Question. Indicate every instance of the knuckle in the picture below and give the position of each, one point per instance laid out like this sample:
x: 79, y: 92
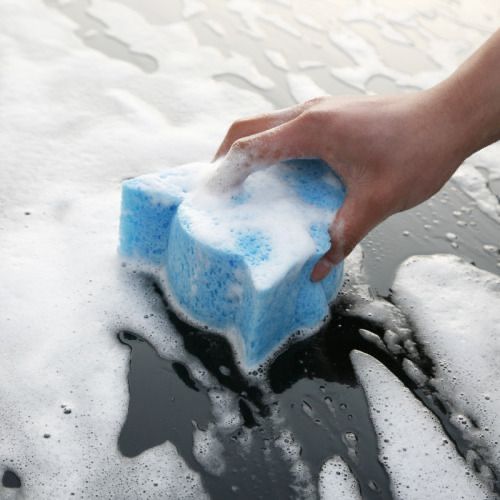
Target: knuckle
x: 310, y: 118
x: 349, y: 246
x: 241, y: 127
x: 233, y: 127
x: 239, y: 124
x: 240, y: 145
x: 329, y: 257
x: 314, y: 101
x: 242, y: 123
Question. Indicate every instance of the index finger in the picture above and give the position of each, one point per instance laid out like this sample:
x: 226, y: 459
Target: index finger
x: 253, y: 125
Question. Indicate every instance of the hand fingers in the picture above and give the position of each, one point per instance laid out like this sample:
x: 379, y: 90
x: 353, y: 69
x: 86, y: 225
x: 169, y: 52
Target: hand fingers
x: 293, y: 139
x: 254, y: 125
x: 353, y: 221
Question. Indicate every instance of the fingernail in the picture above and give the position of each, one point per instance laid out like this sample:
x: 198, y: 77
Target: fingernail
x: 321, y: 270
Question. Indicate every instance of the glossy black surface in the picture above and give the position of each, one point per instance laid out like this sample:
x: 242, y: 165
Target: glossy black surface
x: 311, y: 386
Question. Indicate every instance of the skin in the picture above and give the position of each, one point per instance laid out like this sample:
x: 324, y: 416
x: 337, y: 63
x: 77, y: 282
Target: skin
x: 392, y: 152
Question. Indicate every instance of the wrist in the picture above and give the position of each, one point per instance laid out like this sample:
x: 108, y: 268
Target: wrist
x: 448, y: 135
x: 469, y: 100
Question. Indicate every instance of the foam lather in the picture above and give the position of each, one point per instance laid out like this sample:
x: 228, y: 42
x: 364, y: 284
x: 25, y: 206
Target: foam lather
x: 238, y: 261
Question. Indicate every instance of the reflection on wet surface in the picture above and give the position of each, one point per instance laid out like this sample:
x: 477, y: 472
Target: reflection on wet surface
x: 423, y: 230
x: 10, y: 480
x: 92, y: 32
x: 309, y: 390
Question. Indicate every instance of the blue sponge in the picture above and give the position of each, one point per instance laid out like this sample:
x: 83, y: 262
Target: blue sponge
x: 238, y: 262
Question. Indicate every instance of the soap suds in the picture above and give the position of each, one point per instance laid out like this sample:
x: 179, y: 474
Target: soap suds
x: 337, y: 482
x: 373, y: 338
x: 303, y: 87
x: 310, y: 64
x: 277, y: 59
x: 473, y: 183
x: 192, y: 8
x: 71, y: 131
x: 65, y: 169
x: 454, y: 307
x: 419, y: 457
x: 272, y: 210
x: 291, y: 452
x: 208, y: 450
x: 216, y: 27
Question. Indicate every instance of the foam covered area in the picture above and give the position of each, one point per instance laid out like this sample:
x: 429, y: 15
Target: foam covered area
x: 418, y: 455
x: 455, y: 309
x: 238, y: 261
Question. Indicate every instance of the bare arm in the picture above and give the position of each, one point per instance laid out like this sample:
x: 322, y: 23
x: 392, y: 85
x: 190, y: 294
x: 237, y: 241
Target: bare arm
x: 392, y: 152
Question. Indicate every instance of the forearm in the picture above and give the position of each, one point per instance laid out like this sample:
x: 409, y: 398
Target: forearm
x: 470, y: 100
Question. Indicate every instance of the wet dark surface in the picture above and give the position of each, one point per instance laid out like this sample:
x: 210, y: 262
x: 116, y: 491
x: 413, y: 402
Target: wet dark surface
x: 11, y: 480
x: 311, y: 387
x: 450, y: 211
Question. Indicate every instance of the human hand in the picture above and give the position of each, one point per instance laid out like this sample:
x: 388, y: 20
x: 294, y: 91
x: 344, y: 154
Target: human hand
x: 392, y: 153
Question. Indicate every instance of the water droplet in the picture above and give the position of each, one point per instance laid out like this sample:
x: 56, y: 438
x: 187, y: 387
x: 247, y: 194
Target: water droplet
x: 225, y: 370
x: 490, y: 248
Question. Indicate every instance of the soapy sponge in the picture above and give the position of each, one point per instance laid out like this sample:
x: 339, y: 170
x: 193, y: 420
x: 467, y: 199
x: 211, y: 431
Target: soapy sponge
x: 238, y: 261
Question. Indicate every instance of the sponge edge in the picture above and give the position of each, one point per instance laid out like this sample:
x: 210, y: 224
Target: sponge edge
x: 238, y: 262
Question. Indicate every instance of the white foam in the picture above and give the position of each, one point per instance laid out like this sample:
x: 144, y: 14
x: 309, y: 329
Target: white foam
x: 291, y: 452
x: 249, y: 14
x: 272, y: 210
x: 488, y: 158
x: 414, y: 372
x: 373, y: 338
x: 216, y: 27
x: 421, y: 461
x: 253, y: 14
x: 307, y: 20
x: 310, y: 64
x: 277, y: 59
x: 225, y: 410
x: 61, y: 353
x: 70, y: 131
x: 303, y: 87
x: 454, y: 307
x: 192, y: 8
x: 476, y: 186
x: 208, y: 450
x: 180, y: 57
x: 420, y: 31
x: 354, y: 267
x: 336, y: 481
x: 63, y: 296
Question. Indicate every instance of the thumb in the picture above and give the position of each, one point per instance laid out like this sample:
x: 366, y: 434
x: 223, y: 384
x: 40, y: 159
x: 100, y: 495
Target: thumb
x: 352, y: 222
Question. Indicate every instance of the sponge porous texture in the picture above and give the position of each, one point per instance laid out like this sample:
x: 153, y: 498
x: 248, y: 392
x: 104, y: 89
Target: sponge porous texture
x: 238, y: 261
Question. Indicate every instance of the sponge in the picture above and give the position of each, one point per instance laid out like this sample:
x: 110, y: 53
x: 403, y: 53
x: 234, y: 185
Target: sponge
x: 238, y: 261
